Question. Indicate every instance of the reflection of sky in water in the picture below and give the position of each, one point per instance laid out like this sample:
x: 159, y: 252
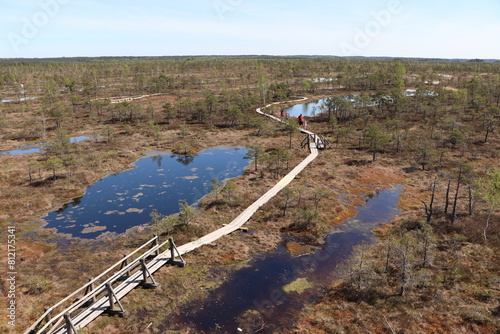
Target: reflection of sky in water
x: 307, y: 109
x: 22, y: 99
x: 124, y: 200
x: 35, y: 148
x: 314, y: 107
x: 254, y: 286
x: 380, y: 208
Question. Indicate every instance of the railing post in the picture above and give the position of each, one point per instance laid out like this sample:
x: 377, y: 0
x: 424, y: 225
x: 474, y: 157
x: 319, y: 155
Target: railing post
x: 173, y: 249
x: 155, y: 244
x: 125, y: 264
x: 112, y: 298
x: 145, y: 274
x: 48, y: 317
x: 70, y: 328
x: 90, y: 289
x: 324, y: 142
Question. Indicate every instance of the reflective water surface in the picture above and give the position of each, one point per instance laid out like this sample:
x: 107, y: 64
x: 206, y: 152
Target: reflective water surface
x: 121, y: 201
x: 37, y: 148
x: 260, y: 287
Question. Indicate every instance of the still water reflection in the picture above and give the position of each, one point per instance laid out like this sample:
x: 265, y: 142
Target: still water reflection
x: 121, y: 201
x: 37, y: 148
x: 259, y: 287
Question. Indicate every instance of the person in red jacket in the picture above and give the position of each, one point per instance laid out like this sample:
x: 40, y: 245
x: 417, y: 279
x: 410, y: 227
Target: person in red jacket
x: 301, y: 120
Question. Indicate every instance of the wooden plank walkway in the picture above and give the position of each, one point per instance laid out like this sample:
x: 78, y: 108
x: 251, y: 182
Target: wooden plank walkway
x: 101, y: 305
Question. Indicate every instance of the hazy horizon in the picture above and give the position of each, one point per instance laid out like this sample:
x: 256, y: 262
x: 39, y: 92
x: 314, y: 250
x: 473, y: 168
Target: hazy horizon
x: 254, y: 55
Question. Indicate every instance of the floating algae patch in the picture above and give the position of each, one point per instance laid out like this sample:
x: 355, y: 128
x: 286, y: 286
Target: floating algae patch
x: 298, y: 249
x: 299, y: 286
x: 93, y: 229
x: 134, y: 210
x: 194, y: 177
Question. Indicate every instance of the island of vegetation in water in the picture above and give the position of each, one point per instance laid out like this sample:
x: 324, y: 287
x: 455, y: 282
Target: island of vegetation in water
x: 435, y: 266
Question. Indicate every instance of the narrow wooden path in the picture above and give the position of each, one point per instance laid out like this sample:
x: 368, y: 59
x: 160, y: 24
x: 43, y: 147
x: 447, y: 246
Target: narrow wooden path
x: 248, y: 212
x: 103, y: 304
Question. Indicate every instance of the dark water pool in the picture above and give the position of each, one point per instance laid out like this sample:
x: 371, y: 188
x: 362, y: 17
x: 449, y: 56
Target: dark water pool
x: 258, y: 289
x: 121, y: 201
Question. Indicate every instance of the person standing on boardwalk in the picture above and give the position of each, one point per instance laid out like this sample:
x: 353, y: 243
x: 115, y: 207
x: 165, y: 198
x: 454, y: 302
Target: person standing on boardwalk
x: 301, y: 120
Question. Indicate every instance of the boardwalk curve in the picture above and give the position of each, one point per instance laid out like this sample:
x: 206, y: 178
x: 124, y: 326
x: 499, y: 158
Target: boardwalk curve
x: 63, y: 323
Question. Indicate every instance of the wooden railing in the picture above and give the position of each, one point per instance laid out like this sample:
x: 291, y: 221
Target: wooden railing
x: 102, y: 286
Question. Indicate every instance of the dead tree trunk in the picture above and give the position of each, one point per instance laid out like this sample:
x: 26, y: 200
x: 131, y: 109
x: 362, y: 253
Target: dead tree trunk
x: 447, y: 197
x: 471, y: 201
x: 431, y: 204
x: 455, y: 201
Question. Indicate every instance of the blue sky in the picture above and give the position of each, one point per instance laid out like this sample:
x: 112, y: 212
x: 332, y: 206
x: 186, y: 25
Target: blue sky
x: 398, y: 28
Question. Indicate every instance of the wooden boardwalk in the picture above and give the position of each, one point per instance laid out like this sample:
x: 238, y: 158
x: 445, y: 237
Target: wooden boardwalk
x: 103, y: 304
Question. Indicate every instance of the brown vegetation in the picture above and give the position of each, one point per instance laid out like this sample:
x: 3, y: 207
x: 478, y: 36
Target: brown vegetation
x: 438, y: 146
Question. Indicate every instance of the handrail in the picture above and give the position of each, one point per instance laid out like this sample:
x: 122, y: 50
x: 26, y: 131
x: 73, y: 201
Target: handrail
x: 305, y: 142
x: 102, y: 287
x: 74, y: 294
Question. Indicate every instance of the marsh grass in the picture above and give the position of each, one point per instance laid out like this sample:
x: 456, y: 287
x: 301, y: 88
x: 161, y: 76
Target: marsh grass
x: 441, y: 298
x: 452, y: 295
